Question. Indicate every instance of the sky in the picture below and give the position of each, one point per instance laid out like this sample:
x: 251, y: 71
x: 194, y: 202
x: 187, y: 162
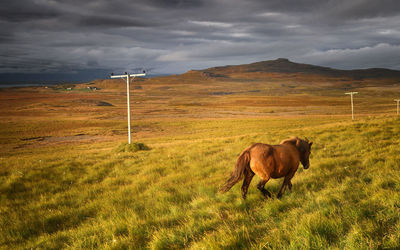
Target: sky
x: 80, y: 40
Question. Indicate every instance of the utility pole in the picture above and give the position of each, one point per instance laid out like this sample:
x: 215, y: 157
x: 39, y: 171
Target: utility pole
x: 128, y: 76
x: 352, y: 105
x: 397, y: 100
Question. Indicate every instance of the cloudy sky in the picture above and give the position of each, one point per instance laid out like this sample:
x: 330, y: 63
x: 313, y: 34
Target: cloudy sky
x: 90, y: 38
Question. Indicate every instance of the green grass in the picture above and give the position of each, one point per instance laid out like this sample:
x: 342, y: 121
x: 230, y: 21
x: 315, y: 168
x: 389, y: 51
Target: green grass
x: 133, y: 147
x: 100, y: 195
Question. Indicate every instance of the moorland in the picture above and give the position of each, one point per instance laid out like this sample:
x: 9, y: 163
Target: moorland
x: 68, y: 179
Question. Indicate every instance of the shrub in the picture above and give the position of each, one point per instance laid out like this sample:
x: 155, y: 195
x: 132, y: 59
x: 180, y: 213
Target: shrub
x: 133, y: 147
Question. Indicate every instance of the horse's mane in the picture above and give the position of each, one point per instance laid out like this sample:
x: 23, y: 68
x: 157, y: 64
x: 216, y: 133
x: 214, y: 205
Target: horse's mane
x: 292, y: 140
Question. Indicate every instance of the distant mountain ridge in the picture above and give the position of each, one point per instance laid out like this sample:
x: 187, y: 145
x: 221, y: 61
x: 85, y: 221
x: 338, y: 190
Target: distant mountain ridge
x: 283, y: 65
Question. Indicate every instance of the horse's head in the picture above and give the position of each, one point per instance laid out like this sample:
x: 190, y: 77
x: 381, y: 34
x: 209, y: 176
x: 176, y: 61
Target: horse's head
x: 304, y: 147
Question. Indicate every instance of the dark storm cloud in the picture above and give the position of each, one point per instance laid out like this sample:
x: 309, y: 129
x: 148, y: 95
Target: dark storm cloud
x: 177, y: 35
x: 22, y: 11
x: 175, y: 3
x: 112, y: 21
x: 354, y: 9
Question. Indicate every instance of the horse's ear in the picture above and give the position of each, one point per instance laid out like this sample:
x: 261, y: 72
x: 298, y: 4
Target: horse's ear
x: 298, y: 143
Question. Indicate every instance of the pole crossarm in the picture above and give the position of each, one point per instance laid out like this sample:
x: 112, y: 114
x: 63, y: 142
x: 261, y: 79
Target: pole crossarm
x: 128, y: 76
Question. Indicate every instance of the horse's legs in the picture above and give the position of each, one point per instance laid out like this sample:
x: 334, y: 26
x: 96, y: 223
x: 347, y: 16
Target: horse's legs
x: 286, y: 182
x: 260, y: 187
x: 246, y: 182
x: 290, y: 185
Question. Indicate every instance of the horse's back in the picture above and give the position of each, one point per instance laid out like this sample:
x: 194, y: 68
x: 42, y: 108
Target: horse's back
x: 260, y: 150
x: 273, y: 161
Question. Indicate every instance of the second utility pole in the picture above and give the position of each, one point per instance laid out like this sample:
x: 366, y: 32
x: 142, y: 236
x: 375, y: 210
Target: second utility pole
x: 352, y: 105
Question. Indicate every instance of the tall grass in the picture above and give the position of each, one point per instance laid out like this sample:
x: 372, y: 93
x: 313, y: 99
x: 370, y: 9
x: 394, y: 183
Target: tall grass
x: 96, y: 196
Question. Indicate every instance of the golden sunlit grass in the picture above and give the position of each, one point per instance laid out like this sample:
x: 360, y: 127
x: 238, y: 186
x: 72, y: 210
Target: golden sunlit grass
x: 69, y: 180
x: 94, y: 196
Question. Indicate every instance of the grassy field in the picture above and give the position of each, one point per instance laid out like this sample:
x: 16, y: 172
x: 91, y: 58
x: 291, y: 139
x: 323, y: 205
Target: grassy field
x: 67, y: 182
x: 91, y: 195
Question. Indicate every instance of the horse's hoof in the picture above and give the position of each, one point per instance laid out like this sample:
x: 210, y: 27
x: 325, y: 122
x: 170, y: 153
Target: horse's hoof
x: 267, y: 195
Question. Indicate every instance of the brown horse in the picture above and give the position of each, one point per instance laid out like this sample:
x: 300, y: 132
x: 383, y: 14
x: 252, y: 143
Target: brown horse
x: 269, y: 161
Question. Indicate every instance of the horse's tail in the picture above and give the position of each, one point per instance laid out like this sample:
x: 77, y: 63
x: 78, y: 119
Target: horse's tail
x: 242, y: 164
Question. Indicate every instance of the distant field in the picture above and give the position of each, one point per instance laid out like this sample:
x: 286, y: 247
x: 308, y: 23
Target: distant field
x: 66, y: 183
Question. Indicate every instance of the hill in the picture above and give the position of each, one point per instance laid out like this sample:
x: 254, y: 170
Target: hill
x: 284, y: 66
x: 277, y: 87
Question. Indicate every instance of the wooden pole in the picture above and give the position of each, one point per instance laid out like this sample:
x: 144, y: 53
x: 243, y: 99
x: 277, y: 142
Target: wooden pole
x: 127, y: 76
x: 352, y: 104
x: 397, y: 100
x: 129, y: 108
